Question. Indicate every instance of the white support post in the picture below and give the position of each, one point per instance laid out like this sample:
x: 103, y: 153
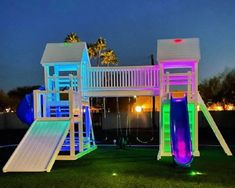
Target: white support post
x: 214, y: 126
x: 44, y: 103
x: 161, y: 143
x: 189, y: 85
x: 167, y: 84
x: 80, y: 131
x: 72, y: 138
x: 46, y: 75
x: 71, y: 82
x: 195, y: 96
x: 35, y: 102
x: 71, y: 130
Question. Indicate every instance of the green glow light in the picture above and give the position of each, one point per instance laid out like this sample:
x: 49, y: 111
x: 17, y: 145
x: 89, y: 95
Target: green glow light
x: 166, y: 124
x: 195, y: 173
x: 67, y: 44
x: 114, y: 174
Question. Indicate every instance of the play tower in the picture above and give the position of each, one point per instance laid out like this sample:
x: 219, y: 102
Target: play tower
x: 178, y: 62
x: 62, y: 129
x: 179, y: 100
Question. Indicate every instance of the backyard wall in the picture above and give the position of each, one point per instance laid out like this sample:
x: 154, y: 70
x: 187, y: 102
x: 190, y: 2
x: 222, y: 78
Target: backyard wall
x: 11, y: 121
x: 224, y: 119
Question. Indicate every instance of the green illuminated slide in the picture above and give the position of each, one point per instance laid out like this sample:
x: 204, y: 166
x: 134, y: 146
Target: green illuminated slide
x: 39, y: 148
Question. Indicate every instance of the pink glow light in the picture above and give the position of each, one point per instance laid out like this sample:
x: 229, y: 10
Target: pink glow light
x: 181, y: 146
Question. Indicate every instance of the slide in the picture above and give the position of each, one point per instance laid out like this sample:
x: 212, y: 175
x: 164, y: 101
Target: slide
x: 24, y: 110
x: 181, y: 144
x: 39, y: 148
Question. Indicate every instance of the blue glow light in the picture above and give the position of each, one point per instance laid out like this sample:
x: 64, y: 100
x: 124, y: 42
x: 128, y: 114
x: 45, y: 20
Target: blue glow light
x: 24, y: 110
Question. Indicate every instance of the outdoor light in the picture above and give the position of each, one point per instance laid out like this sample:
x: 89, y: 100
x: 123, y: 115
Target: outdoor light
x: 114, y: 174
x: 177, y: 41
x: 198, y: 108
x: 195, y: 173
x: 8, y: 110
x: 230, y: 107
x: 138, y: 108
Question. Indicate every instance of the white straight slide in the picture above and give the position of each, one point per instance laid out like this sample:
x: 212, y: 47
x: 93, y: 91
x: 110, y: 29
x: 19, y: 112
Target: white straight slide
x: 39, y: 148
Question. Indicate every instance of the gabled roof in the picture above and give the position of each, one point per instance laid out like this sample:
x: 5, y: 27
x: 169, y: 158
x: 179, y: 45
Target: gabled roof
x: 178, y: 49
x: 64, y: 52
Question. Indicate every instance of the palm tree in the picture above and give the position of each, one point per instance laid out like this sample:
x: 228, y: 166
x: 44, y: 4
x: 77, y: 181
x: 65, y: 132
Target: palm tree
x: 95, y: 49
x: 92, y: 50
x: 108, y: 57
x: 100, y: 46
x: 72, y: 38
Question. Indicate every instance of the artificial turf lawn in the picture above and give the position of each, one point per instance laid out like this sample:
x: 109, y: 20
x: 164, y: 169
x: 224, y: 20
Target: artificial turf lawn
x: 132, y: 167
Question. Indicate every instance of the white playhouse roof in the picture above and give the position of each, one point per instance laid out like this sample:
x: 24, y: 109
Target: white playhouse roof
x: 64, y: 52
x: 178, y: 49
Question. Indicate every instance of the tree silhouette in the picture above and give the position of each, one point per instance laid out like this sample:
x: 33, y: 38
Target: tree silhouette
x: 108, y: 57
x: 219, y: 89
x: 72, y: 38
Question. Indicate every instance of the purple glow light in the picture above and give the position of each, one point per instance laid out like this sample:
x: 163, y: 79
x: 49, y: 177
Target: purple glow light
x: 181, y: 148
x: 178, y: 63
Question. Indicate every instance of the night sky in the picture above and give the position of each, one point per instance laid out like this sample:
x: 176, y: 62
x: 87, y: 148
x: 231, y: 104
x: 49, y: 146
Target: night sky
x: 131, y: 28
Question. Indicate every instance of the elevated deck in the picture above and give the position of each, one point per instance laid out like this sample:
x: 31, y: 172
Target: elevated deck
x: 121, y: 81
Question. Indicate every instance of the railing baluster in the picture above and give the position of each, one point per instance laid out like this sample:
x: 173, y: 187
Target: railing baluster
x: 125, y: 78
x: 101, y: 82
x: 137, y: 77
x: 114, y: 78
x: 97, y: 79
x: 104, y: 77
x: 139, y: 84
x: 120, y: 78
x: 92, y: 76
x: 133, y: 84
x: 131, y: 79
x: 90, y: 79
x: 154, y: 75
x: 111, y: 80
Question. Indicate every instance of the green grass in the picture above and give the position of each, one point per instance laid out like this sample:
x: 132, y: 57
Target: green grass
x: 133, y: 167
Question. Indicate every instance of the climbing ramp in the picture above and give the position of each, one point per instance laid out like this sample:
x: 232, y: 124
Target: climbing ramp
x: 213, y: 126
x: 39, y: 148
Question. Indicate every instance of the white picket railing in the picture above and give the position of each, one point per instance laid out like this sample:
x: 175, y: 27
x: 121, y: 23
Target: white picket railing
x: 126, y: 77
x: 169, y: 80
x: 56, y: 104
